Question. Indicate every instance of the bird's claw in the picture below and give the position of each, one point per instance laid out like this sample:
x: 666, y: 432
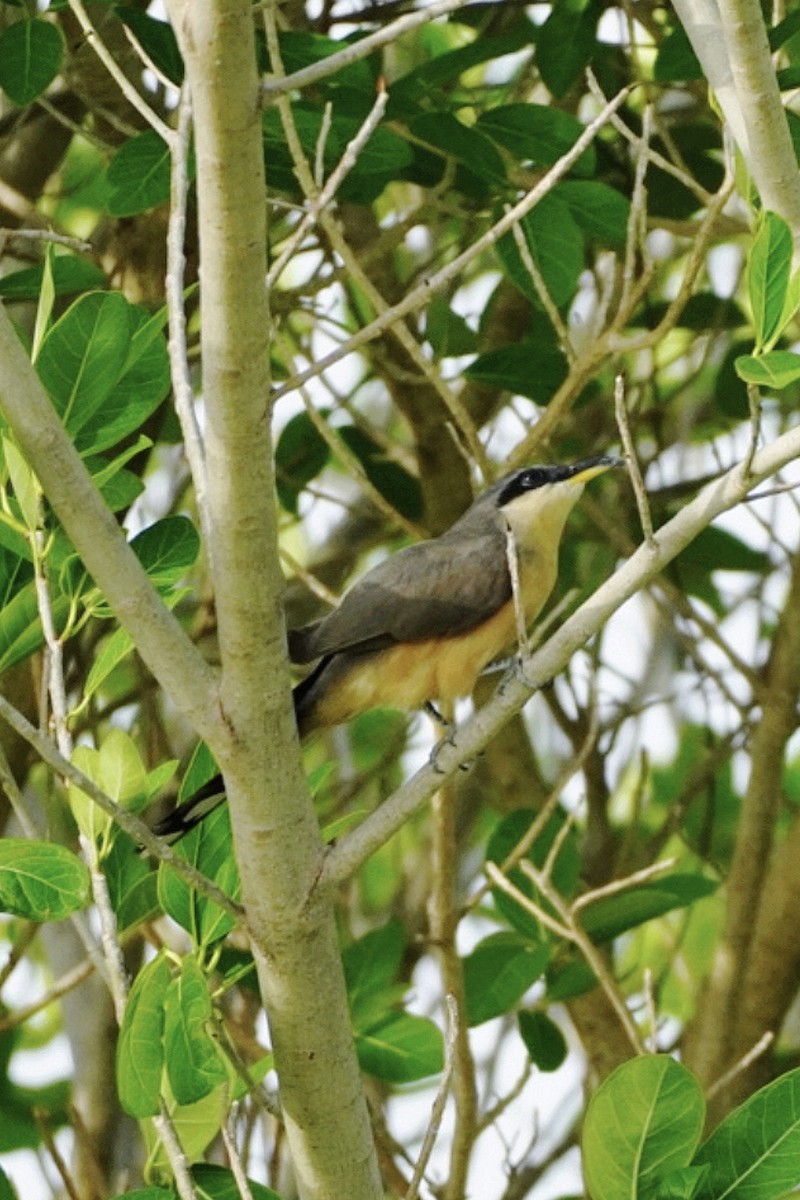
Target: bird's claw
x: 448, y: 740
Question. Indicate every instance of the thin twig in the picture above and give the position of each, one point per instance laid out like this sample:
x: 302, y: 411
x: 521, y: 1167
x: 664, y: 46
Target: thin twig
x: 234, y: 1158
x: 174, y: 288
x: 334, y: 181
x: 629, y: 448
x: 281, y: 84
x: 440, y: 1099
x: 67, y: 983
x: 542, y: 291
x: 754, y: 402
x: 117, y: 74
x: 621, y: 885
x: 47, y: 235
x: 175, y: 1153
x: 763, y: 1044
x: 512, y: 561
x: 40, y: 1116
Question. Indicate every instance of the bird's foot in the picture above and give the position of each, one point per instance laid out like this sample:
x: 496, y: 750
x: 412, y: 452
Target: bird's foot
x: 519, y: 669
x: 449, y: 739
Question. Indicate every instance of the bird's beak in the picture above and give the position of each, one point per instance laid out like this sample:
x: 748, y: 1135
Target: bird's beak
x: 590, y: 467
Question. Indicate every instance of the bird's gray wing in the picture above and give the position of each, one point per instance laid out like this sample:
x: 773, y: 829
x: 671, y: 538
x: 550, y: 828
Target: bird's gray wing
x: 438, y: 588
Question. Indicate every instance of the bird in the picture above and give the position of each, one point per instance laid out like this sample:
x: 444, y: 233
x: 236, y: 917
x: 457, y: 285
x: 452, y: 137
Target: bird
x: 422, y: 625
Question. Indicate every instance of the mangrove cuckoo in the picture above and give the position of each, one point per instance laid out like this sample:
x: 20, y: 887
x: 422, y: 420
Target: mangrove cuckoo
x: 424, y: 623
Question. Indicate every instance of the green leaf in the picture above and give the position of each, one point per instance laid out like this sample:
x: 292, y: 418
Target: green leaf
x: 140, y: 1051
x: 394, y: 483
x: 543, y: 1039
x: 300, y: 455
x: 132, y: 883
x: 524, y: 368
x: 194, y: 1065
x: 774, y: 370
x: 31, y: 52
x: 423, y: 81
x: 6, y: 1190
x: 499, y: 972
x: 644, y: 1121
x: 676, y: 59
x: 613, y: 915
x: 142, y: 385
x: 27, y: 492
x: 447, y: 331
x: 157, y: 39
x: 371, y: 964
x: 768, y: 271
x: 41, y: 881
x: 70, y: 274
x: 167, y: 549
x: 219, y: 1183
x: 83, y: 354
x: 139, y: 175
x: 300, y: 48
x: 20, y: 627
x: 601, y: 211
x: 536, y: 134
x: 556, y: 245
x: 209, y: 848
x: 111, y: 652
x: 566, y: 43
x: 401, y: 1049
x: 564, y: 875
x: 467, y: 144
x: 755, y: 1153
x: 117, y: 769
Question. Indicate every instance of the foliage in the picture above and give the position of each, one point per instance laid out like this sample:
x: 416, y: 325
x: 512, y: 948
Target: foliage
x: 620, y: 879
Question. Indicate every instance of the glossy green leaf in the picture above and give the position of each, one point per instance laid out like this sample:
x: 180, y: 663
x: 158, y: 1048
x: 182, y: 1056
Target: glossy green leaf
x: 536, y: 134
x: 140, y: 1050
x: 132, y: 883
x: 301, y: 48
x: 768, y: 271
x: 498, y: 973
x: 543, y: 1039
x: 118, y: 770
x: 401, y: 1049
x: 523, y: 368
x: 219, y: 1183
x: 194, y: 1064
x: 755, y: 1153
x: 422, y: 81
x: 644, y: 1121
x: 209, y: 848
x: 774, y: 370
x: 83, y: 354
x: 142, y: 385
x: 41, y: 881
x: 108, y: 655
x: 167, y: 549
x: 20, y: 627
x: 70, y: 274
x: 139, y: 175
x: 31, y: 53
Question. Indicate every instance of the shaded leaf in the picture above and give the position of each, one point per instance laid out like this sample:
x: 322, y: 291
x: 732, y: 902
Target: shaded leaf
x: 499, y: 972
x: 31, y: 52
x: 140, y: 1051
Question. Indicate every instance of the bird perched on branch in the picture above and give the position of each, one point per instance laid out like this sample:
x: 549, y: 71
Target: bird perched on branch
x: 423, y: 624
